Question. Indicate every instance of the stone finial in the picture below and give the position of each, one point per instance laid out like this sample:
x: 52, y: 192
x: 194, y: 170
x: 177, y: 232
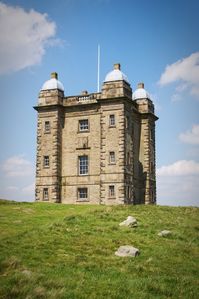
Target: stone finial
x: 141, y: 85
x: 117, y: 66
x: 54, y: 75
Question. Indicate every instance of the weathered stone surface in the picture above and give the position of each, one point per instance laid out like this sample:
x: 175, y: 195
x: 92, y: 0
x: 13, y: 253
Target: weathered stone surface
x: 164, y: 233
x: 127, y: 250
x: 130, y: 222
x: 116, y: 124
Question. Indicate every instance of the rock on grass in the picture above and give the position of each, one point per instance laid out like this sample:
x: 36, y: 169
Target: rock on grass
x: 127, y: 250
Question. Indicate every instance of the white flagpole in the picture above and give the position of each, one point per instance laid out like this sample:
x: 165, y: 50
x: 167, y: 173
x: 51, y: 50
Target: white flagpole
x: 98, y: 69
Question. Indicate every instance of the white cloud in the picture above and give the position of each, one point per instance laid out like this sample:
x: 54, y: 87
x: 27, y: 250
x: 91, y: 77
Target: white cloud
x: 179, y: 168
x: 17, y: 166
x: 177, y: 184
x: 178, y: 190
x: 185, y: 71
x: 23, y: 37
x: 191, y: 137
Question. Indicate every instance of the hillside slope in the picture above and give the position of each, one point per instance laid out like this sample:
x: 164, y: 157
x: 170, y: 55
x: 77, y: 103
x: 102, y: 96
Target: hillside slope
x: 64, y: 251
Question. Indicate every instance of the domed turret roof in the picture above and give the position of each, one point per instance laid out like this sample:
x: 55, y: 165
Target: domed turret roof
x: 116, y: 75
x: 140, y: 92
x: 53, y: 83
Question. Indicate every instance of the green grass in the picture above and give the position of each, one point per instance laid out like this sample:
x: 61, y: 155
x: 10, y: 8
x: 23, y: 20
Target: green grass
x: 64, y: 251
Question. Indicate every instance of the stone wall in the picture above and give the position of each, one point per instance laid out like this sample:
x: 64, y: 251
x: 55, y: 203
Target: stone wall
x: 129, y: 179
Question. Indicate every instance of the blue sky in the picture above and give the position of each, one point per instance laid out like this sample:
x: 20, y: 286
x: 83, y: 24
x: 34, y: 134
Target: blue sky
x: 156, y: 42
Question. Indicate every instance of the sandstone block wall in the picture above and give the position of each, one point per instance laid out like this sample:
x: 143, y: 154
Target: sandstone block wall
x: 129, y: 179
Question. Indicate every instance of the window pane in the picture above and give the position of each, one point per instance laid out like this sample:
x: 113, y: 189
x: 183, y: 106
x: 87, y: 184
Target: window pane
x: 83, y: 125
x: 47, y: 126
x: 112, y: 157
x: 45, y: 194
x: 111, y: 191
x: 46, y: 161
x: 112, y: 120
x: 83, y: 165
x: 82, y: 193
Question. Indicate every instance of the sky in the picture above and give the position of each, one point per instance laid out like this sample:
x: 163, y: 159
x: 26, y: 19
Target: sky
x: 156, y: 42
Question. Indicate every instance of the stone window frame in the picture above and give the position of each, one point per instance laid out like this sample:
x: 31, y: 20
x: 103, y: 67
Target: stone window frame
x: 82, y: 194
x: 112, y: 157
x: 45, y: 194
x: 83, y: 165
x: 46, y: 161
x: 83, y: 127
x: 47, y: 126
x: 111, y: 191
x: 112, y: 120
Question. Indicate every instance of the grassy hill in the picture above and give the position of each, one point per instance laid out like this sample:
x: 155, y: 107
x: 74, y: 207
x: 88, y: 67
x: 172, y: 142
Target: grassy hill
x: 64, y: 251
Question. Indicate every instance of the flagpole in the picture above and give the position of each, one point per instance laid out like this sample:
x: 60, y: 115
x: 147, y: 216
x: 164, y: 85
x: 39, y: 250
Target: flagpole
x: 98, y: 68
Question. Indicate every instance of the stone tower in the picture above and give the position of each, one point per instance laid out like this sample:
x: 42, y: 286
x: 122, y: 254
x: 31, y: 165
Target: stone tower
x: 49, y: 140
x: 96, y: 147
x: 147, y: 171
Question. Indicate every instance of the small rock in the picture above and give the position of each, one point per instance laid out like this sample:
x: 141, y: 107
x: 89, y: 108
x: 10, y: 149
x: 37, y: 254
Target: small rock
x: 127, y: 250
x: 164, y: 233
x: 130, y: 221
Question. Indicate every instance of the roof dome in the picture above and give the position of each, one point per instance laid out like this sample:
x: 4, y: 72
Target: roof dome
x: 53, y: 83
x: 116, y: 75
x: 140, y: 92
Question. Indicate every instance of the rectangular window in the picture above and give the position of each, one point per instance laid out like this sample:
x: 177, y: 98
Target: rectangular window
x: 112, y: 120
x: 82, y: 193
x: 47, y: 127
x: 45, y: 194
x: 46, y: 161
x: 112, y: 157
x: 83, y: 165
x: 111, y: 191
x: 83, y: 125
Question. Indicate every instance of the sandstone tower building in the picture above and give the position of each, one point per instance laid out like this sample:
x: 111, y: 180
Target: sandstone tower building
x: 96, y: 148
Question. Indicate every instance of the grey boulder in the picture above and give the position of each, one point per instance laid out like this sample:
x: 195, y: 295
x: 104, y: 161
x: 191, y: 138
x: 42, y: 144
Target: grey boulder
x: 130, y: 221
x: 164, y: 233
x: 127, y: 250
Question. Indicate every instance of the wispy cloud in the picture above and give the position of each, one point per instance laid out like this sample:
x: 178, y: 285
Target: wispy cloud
x: 190, y: 136
x: 23, y: 37
x: 179, y: 168
x: 17, y: 166
x: 184, y: 71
